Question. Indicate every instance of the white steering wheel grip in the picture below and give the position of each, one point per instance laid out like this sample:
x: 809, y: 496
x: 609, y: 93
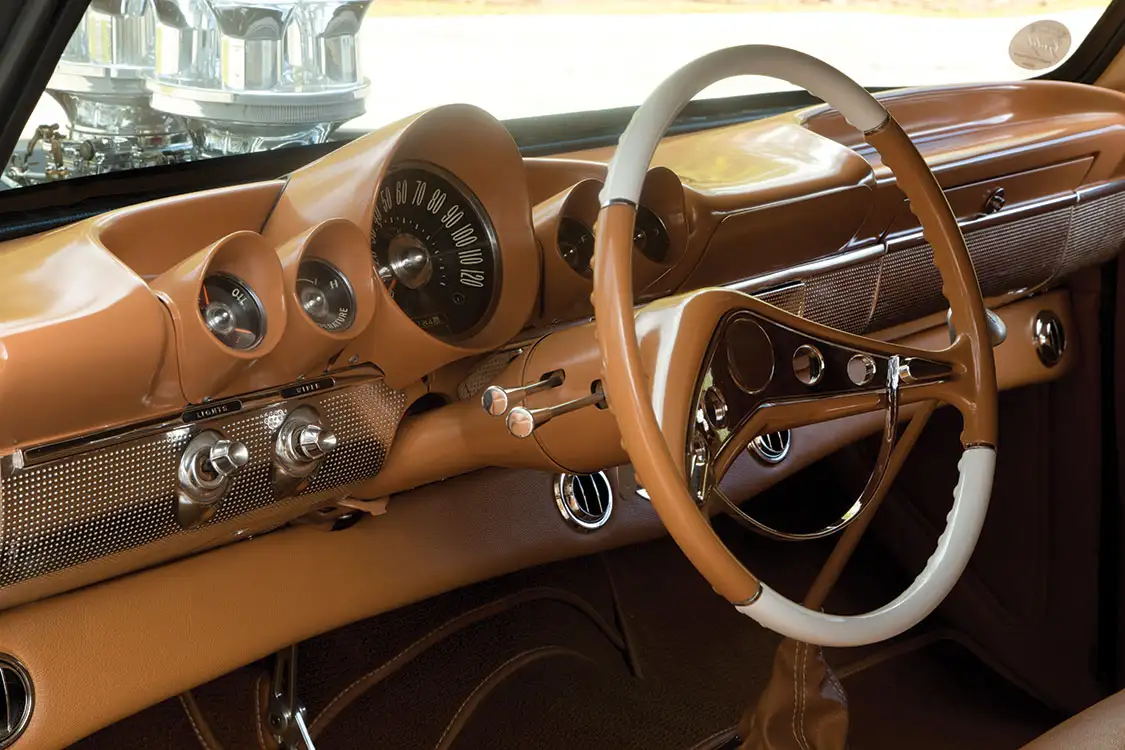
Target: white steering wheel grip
x: 624, y: 181
x: 929, y: 589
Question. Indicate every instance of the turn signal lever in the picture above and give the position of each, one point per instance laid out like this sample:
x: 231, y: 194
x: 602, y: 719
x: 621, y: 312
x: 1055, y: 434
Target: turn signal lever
x: 498, y: 401
x: 523, y: 422
x: 997, y: 330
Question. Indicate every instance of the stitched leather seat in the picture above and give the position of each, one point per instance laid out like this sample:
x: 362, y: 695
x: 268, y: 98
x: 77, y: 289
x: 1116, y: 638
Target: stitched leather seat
x: 1100, y: 727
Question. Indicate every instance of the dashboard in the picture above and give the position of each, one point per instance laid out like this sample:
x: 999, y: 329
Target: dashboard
x: 200, y: 370
x: 249, y: 354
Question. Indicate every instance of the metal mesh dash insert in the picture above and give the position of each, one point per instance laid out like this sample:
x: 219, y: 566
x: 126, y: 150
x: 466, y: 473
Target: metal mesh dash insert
x: 74, y: 509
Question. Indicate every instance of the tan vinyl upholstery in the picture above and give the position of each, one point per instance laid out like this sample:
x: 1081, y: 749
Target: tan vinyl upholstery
x: 1100, y: 727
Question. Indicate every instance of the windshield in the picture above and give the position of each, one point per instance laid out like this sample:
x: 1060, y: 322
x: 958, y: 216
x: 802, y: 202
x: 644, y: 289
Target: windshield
x: 151, y: 82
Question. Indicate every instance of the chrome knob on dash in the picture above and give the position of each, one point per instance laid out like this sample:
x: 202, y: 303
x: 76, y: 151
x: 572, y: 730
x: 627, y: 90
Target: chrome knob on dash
x: 228, y: 456
x: 522, y: 422
x: 302, y: 441
x: 498, y: 401
x: 314, y: 442
x: 207, y: 463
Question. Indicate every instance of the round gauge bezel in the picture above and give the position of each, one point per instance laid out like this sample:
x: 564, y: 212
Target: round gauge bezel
x: 489, y: 230
x: 568, y: 220
x: 253, y: 296
x: 347, y: 286
x: 663, y: 228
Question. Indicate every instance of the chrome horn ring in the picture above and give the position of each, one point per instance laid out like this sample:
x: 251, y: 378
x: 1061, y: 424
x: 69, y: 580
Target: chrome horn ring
x: 870, y: 490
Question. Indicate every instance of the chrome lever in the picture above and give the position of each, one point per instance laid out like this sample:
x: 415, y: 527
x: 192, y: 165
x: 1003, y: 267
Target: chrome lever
x: 522, y: 422
x: 997, y: 329
x: 498, y: 401
x: 286, y: 714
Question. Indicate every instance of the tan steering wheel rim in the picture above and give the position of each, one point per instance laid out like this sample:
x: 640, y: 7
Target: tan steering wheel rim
x: 628, y: 388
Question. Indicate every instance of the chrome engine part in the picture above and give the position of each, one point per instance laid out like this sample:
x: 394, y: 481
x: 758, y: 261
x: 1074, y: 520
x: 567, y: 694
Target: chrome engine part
x: 151, y: 82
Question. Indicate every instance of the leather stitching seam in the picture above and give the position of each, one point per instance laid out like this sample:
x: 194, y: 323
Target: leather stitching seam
x: 804, y: 671
x: 465, y: 619
x: 194, y: 726
x: 258, y: 713
x: 523, y: 656
x: 796, y: 698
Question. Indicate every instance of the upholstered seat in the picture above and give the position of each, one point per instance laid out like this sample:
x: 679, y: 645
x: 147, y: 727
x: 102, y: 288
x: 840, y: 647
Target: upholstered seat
x: 1102, y: 726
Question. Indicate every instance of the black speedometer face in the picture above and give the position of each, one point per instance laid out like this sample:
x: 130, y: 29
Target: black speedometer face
x: 231, y: 311
x: 433, y: 248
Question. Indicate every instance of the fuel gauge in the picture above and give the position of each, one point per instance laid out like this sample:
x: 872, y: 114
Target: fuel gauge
x: 231, y: 311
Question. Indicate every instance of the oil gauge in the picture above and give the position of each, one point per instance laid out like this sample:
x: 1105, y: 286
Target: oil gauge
x: 325, y: 294
x: 231, y: 311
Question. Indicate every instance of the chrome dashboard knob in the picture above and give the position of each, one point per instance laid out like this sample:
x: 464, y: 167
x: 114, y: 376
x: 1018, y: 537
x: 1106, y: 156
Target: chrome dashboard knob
x: 302, y: 442
x: 207, y: 463
x: 522, y: 422
x: 314, y: 442
x: 228, y: 456
x: 498, y: 401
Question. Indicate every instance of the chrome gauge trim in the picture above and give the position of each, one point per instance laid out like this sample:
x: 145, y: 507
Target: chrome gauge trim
x: 342, y: 277
x: 570, y: 505
x: 12, y: 729
x: 488, y: 227
x: 771, y: 448
x: 258, y: 306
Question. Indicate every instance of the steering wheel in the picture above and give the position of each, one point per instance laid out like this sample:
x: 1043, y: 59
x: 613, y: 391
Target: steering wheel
x: 692, y: 380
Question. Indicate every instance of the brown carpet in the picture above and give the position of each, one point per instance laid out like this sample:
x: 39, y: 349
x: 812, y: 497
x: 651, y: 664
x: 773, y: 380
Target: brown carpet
x: 630, y: 649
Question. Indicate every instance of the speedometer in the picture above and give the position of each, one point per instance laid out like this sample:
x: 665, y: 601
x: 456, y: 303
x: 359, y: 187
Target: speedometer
x: 434, y: 249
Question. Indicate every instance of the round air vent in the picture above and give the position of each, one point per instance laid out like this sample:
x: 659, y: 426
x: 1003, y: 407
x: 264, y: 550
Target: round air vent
x: 585, y: 500
x: 1050, y: 338
x: 16, y: 700
x: 773, y: 447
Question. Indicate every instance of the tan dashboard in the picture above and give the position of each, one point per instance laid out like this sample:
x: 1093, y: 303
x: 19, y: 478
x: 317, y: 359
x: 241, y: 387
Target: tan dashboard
x: 203, y: 369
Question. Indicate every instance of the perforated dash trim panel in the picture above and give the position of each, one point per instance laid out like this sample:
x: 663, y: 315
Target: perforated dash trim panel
x: 1096, y: 234
x: 1010, y: 256
x: 79, y: 508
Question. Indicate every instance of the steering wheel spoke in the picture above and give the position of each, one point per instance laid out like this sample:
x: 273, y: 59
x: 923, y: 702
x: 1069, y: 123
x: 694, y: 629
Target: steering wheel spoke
x: 767, y: 371
x: 691, y: 380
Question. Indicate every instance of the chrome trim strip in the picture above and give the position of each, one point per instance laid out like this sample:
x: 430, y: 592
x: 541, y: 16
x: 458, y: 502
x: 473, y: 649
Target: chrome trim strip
x: 914, y: 237
x: 38, y: 454
x: 805, y: 270
x: 755, y: 597
x: 869, y: 182
x: 619, y: 202
x: 1101, y: 190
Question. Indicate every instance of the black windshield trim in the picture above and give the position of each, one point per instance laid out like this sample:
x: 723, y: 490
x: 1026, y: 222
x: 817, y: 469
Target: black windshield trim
x: 1097, y: 50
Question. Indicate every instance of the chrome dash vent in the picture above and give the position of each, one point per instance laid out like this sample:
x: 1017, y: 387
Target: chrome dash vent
x: 773, y: 447
x: 16, y: 700
x: 584, y: 500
